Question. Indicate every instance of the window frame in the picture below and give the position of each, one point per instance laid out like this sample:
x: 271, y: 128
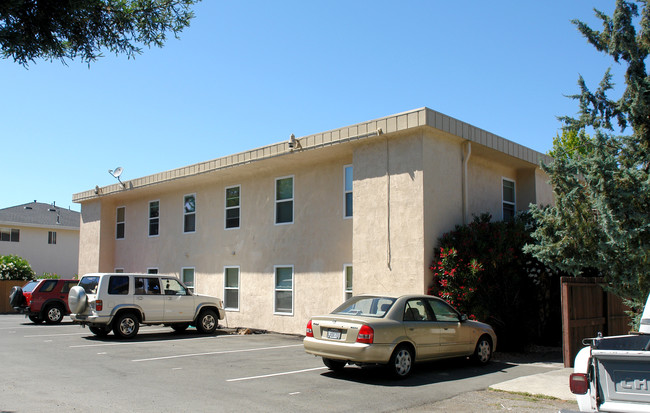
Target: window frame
x: 12, y: 233
x: 348, y: 290
x: 150, y: 269
x: 292, y: 199
x: 512, y: 203
x: 51, y: 237
x: 150, y: 219
x: 227, y: 208
x: 185, y: 214
x: 118, y: 223
x: 347, y: 191
x: 276, y: 290
x: 226, y: 288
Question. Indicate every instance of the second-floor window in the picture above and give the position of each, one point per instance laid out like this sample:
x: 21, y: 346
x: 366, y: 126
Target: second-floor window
x: 232, y: 206
x: 120, y: 222
x: 9, y: 234
x: 51, y: 237
x: 508, y: 199
x: 154, y: 218
x: 284, y: 200
x: 189, y: 213
x: 347, y: 192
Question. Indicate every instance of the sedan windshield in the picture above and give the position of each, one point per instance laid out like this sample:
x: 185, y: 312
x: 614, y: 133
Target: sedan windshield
x: 366, y: 306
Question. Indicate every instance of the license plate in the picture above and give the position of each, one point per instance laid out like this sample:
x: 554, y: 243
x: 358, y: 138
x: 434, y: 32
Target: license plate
x: 334, y: 334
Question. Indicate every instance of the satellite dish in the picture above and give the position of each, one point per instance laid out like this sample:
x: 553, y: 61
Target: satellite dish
x: 117, y: 172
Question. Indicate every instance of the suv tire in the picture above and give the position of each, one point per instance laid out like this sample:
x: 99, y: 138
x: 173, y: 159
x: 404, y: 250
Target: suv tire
x: 36, y: 319
x: 126, y: 325
x: 207, y: 321
x: 16, y: 297
x: 53, y: 313
x: 77, y: 299
x: 100, y: 331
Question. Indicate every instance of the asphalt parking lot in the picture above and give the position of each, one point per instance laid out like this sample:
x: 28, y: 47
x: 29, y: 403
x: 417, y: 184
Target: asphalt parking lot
x: 65, y: 368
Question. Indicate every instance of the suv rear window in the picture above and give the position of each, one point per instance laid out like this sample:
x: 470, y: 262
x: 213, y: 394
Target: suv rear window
x: 29, y: 287
x: 89, y: 284
x: 118, y: 285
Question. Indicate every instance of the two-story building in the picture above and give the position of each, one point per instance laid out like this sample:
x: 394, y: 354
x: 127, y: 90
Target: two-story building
x: 46, y: 235
x: 290, y: 230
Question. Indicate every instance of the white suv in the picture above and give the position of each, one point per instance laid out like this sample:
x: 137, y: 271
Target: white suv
x: 121, y: 302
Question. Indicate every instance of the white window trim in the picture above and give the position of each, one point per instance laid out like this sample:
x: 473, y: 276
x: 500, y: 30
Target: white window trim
x: 293, y: 283
x: 226, y: 207
x: 192, y: 288
x: 345, y: 191
x: 149, y: 217
x: 292, y: 199
x: 345, y: 278
x: 186, y: 213
x: 123, y: 222
x: 230, y: 288
x: 514, y: 194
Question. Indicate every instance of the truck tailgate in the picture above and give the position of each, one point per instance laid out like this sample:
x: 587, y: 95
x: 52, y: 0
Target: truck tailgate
x: 623, y: 379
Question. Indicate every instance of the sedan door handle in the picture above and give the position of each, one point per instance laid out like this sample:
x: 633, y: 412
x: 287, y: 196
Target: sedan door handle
x: 139, y: 297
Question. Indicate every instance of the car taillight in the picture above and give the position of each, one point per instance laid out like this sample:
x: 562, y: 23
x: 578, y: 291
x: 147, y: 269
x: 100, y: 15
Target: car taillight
x: 366, y: 335
x: 579, y: 383
x: 99, y: 305
x: 310, y: 332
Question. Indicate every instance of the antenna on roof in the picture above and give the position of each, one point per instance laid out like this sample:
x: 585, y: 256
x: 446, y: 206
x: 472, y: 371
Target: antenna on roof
x: 116, y: 174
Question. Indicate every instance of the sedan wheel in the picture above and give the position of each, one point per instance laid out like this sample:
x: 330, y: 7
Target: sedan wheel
x: 483, y: 351
x: 401, y: 362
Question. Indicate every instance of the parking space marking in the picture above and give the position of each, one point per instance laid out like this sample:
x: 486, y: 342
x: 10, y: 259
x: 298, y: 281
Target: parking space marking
x: 211, y: 353
x: 55, y: 335
x: 276, y: 374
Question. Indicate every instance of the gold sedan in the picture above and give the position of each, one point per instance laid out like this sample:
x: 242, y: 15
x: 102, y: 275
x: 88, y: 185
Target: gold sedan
x: 396, y: 331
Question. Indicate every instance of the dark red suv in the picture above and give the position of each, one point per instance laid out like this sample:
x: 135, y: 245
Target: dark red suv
x: 43, y: 300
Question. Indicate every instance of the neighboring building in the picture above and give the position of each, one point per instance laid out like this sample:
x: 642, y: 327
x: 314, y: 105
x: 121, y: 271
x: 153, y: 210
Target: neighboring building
x: 46, y: 235
x: 291, y: 229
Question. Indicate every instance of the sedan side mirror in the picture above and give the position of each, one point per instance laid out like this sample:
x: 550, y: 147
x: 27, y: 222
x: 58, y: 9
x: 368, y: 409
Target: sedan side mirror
x: 463, y: 318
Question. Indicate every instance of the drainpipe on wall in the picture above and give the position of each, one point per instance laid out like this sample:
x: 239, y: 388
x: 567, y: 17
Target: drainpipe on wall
x: 467, y: 152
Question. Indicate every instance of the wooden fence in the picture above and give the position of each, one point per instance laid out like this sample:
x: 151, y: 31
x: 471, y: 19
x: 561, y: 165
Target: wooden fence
x: 5, y: 290
x: 587, y: 310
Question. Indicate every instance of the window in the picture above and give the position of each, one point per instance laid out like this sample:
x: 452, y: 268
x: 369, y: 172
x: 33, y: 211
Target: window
x: 189, y: 213
x: 232, y: 206
x: 47, y: 286
x: 147, y: 286
x: 508, y: 199
x: 415, y: 310
x: 173, y: 287
x: 154, y: 218
x: 347, y: 272
x: 283, y: 290
x: 284, y: 200
x: 443, y: 311
x: 120, y: 219
x: 347, y: 192
x: 118, y: 284
x: 187, y: 276
x: 231, y: 288
x: 152, y: 270
x: 9, y: 234
x: 119, y: 270
x: 67, y: 285
x: 51, y: 237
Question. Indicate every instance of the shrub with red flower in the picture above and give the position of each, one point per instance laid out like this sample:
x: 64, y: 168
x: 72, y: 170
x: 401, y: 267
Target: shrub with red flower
x: 454, y: 280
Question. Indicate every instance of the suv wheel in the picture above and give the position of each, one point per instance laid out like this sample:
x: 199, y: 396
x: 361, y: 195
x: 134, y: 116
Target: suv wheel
x: 207, y: 322
x: 179, y: 327
x: 53, y: 314
x: 100, y: 331
x: 16, y: 297
x: 126, y: 325
x: 77, y: 299
x: 36, y: 319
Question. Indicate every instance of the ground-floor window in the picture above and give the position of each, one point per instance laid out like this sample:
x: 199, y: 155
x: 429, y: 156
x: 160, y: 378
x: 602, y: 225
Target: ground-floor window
x: 231, y: 288
x: 348, y: 282
x: 283, y: 290
x: 187, y: 276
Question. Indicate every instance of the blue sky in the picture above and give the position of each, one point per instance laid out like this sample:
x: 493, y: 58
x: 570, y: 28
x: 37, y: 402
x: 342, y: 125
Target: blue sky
x: 250, y: 73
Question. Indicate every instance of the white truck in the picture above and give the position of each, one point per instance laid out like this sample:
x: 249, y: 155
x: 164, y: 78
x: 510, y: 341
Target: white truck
x: 612, y: 374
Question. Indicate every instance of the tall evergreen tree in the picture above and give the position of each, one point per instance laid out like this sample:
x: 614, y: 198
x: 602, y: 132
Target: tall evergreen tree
x: 601, y: 220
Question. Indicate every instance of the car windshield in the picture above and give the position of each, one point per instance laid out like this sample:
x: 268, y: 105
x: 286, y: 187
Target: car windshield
x: 29, y: 287
x: 89, y: 284
x: 366, y: 306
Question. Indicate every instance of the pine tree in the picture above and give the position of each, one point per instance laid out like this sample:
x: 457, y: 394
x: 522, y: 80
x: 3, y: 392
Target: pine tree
x: 601, y: 220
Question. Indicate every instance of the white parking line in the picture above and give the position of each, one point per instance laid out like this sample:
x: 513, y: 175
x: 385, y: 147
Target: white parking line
x: 56, y: 335
x: 131, y: 343
x: 277, y: 374
x: 215, y: 352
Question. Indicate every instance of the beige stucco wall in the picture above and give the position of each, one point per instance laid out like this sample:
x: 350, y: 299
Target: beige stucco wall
x: 60, y: 258
x: 318, y: 244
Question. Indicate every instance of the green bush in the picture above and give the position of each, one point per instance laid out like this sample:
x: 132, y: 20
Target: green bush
x: 13, y: 267
x: 482, y: 270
